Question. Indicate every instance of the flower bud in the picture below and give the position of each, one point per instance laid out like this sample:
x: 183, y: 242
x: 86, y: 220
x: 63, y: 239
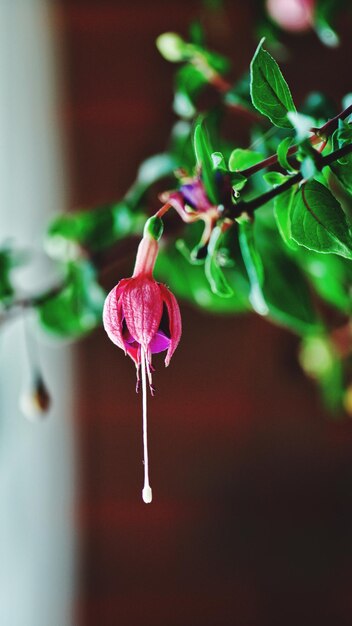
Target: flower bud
x: 153, y: 228
x: 35, y: 402
x: 292, y: 15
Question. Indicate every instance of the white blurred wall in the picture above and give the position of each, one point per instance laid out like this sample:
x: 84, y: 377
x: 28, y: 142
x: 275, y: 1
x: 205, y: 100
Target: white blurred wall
x: 36, y: 459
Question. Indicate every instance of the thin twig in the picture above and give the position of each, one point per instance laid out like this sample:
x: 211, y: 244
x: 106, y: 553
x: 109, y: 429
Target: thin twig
x: 320, y: 134
x: 251, y: 205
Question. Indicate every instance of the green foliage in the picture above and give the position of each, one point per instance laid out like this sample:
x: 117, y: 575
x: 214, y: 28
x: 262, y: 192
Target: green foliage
x: 342, y: 168
x: 213, y: 271
x: 318, y: 221
x: 190, y: 283
x: 269, y: 90
x: 241, y: 159
x: 282, y: 154
x: 331, y: 277
x: 77, y: 308
x: 266, y: 225
x: 285, y: 287
x: 254, y: 266
x: 7, y: 262
x: 203, y: 151
x: 282, y: 212
x: 92, y: 230
x: 321, y: 362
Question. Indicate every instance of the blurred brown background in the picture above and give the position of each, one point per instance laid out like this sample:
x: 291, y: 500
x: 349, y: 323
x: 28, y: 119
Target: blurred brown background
x: 251, y: 519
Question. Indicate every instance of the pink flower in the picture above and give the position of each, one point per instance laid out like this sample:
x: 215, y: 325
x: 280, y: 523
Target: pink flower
x: 141, y: 314
x: 142, y: 317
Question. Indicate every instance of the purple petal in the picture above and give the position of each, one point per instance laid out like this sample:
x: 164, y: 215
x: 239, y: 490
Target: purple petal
x: 159, y: 343
x: 195, y: 196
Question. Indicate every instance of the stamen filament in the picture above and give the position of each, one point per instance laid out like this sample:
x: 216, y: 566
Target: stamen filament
x: 146, y: 492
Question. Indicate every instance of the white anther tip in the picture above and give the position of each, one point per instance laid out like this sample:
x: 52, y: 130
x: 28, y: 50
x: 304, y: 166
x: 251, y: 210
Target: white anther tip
x: 147, y: 495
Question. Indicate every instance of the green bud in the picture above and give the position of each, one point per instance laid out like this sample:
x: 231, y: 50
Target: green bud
x: 172, y: 47
x: 153, y: 228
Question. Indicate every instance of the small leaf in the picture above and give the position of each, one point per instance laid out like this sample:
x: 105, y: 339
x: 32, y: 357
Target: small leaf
x: 238, y: 181
x: 219, y: 162
x: 189, y: 255
x: 241, y: 159
x: 342, y: 168
x: 275, y: 178
x: 302, y: 124
x: 213, y: 271
x: 189, y: 282
x: 96, y: 229
x: 150, y: 171
x: 282, y: 154
x: 319, y: 360
x: 282, y: 206
x: 318, y: 221
x: 269, y: 91
x: 77, y: 308
x: 331, y: 276
x: 254, y: 266
x: 6, y: 265
x: 203, y: 153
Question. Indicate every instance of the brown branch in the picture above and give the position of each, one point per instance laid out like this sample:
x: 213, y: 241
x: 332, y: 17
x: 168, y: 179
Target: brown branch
x: 251, y: 205
x: 320, y: 134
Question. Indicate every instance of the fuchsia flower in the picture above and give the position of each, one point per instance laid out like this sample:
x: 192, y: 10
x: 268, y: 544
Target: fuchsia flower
x: 142, y: 317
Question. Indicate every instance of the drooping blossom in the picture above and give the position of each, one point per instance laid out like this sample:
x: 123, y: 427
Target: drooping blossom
x: 192, y: 203
x: 142, y: 317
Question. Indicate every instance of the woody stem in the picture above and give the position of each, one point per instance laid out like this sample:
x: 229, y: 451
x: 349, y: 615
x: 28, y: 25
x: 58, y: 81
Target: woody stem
x: 320, y: 135
x: 250, y: 206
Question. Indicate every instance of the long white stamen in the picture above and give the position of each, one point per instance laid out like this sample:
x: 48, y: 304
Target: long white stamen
x: 146, y: 492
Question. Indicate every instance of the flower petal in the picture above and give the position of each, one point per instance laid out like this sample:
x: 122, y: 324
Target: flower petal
x: 113, y: 318
x: 194, y: 194
x: 142, y: 307
x: 159, y: 343
x: 112, y: 315
x: 174, y: 320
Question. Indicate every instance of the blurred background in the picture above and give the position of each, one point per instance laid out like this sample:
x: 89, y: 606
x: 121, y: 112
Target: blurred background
x: 251, y: 519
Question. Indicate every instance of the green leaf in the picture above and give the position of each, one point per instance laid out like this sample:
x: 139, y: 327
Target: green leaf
x: 151, y: 170
x: 213, y: 271
x: 269, y: 91
x: 285, y: 287
x: 77, y: 308
x: 342, y: 168
x: 7, y: 262
x: 203, y: 151
x: 96, y: 229
x: 282, y: 154
x: 302, y: 124
x: 189, y: 255
x: 331, y: 276
x: 275, y: 178
x: 241, y: 159
x: 189, y: 283
x: 282, y: 207
x: 320, y: 361
x: 254, y: 266
x: 323, y: 16
x: 219, y: 162
x: 318, y: 221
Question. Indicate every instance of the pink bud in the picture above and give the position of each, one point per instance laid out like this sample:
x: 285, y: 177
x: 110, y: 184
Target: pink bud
x: 292, y: 15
